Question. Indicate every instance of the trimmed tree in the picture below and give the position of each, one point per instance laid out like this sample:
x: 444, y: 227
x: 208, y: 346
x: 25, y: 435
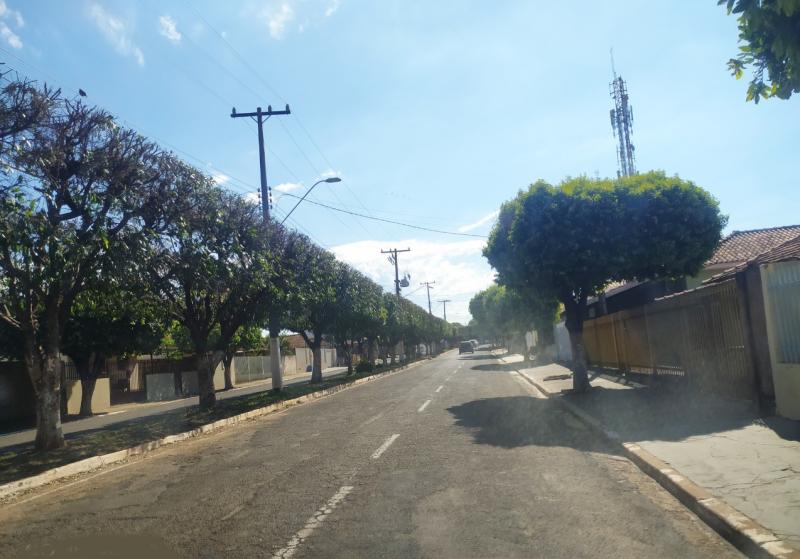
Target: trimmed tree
x: 76, y: 188
x: 573, y: 239
x: 213, y: 271
x: 361, y: 313
x: 315, y: 304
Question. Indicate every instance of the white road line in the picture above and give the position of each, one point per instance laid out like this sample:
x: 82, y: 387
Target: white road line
x: 373, y: 418
x: 312, y: 524
x: 386, y: 444
x: 423, y: 406
x: 440, y: 388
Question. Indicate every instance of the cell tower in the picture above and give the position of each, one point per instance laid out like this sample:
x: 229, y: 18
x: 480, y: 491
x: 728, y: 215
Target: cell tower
x: 622, y: 124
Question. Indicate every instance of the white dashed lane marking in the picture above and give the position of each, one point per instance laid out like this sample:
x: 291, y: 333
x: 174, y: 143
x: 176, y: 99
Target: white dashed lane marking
x: 386, y: 444
x: 423, y: 406
x: 312, y: 524
x: 440, y: 388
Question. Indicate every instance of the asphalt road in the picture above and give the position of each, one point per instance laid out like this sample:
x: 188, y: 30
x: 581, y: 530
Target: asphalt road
x: 128, y: 412
x: 454, y: 458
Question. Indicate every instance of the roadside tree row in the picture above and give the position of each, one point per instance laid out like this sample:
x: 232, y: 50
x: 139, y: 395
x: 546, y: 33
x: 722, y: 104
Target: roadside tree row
x: 107, y: 242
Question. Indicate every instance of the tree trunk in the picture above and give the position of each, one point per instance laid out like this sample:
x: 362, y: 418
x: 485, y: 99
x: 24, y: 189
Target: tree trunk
x: 316, y: 367
x: 206, y: 364
x: 275, y: 362
x: 349, y: 356
x: 574, y: 323
x: 49, y: 435
x: 88, y: 372
x: 371, y: 351
x: 227, y: 362
x: 87, y: 391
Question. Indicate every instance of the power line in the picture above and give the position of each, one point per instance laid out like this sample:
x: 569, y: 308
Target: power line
x: 245, y: 185
x: 389, y: 220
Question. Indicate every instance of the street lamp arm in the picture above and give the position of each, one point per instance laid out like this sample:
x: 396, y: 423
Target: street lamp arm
x: 331, y: 179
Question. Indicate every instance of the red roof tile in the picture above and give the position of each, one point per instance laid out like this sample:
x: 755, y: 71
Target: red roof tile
x: 741, y: 246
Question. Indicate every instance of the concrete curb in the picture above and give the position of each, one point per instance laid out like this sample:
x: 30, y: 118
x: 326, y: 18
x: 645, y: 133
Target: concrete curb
x: 13, y: 488
x: 746, y: 534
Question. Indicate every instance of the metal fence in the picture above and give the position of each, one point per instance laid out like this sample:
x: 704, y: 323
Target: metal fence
x: 697, y: 334
x: 783, y: 283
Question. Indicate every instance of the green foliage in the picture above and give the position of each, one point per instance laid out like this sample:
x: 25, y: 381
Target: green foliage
x: 112, y: 322
x: 570, y: 241
x: 573, y: 239
x: 769, y: 33
x: 365, y: 367
x: 502, y: 311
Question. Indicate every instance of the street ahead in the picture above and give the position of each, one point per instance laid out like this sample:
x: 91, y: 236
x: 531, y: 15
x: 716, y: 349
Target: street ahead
x: 454, y: 458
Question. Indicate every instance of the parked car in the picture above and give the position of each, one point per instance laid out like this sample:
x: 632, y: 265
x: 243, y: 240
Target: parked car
x: 465, y: 347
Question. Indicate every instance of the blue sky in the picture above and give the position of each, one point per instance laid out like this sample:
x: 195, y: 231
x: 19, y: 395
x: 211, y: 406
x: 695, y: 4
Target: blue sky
x: 433, y: 113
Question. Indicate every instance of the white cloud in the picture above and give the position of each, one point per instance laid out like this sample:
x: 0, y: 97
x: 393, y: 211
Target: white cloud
x: 287, y: 186
x: 277, y: 19
x: 15, y: 18
x: 457, y: 267
x: 116, y: 33
x: 10, y: 37
x: 168, y: 29
x: 220, y: 178
x: 482, y: 221
x: 333, y: 5
x: 252, y: 197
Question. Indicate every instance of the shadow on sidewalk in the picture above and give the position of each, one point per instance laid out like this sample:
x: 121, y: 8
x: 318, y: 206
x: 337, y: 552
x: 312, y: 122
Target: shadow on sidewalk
x: 516, y: 421
x: 667, y: 415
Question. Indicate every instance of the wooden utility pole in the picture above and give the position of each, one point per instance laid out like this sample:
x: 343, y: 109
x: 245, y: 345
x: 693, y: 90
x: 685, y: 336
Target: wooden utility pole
x: 428, y: 285
x: 266, y: 202
x: 444, y: 304
x: 393, y: 259
x: 260, y: 117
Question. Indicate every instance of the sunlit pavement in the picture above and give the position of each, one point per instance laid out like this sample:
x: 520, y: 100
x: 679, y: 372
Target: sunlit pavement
x: 454, y: 458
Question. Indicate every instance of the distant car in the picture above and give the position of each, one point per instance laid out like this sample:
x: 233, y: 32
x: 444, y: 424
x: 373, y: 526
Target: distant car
x: 474, y: 343
x: 465, y: 347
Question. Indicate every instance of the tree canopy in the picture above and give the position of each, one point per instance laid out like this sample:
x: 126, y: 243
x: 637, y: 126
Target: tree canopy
x: 571, y: 240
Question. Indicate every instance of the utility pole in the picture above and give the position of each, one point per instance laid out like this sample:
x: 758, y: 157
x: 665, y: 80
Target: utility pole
x: 273, y: 322
x: 428, y: 285
x: 393, y: 259
x: 444, y: 304
x: 259, y: 117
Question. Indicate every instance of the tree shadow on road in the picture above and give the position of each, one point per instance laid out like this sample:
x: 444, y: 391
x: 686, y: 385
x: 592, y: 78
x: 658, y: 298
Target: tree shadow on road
x: 480, y: 356
x: 516, y: 421
x: 496, y: 367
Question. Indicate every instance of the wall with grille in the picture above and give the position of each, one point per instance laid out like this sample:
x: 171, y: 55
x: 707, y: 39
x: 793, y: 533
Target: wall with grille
x: 697, y: 334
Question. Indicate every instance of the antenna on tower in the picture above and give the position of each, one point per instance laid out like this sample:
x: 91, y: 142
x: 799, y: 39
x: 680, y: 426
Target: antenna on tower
x: 613, y: 70
x: 622, y: 124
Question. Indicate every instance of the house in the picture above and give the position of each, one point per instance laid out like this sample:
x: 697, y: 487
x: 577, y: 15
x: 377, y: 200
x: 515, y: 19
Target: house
x: 771, y: 284
x: 734, y: 250
x: 740, y: 247
x: 296, y: 342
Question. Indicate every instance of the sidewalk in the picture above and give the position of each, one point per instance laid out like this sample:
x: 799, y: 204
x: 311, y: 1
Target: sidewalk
x: 128, y: 412
x: 751, y: 463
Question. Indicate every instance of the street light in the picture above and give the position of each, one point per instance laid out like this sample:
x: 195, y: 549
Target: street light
x: 331, y: 179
